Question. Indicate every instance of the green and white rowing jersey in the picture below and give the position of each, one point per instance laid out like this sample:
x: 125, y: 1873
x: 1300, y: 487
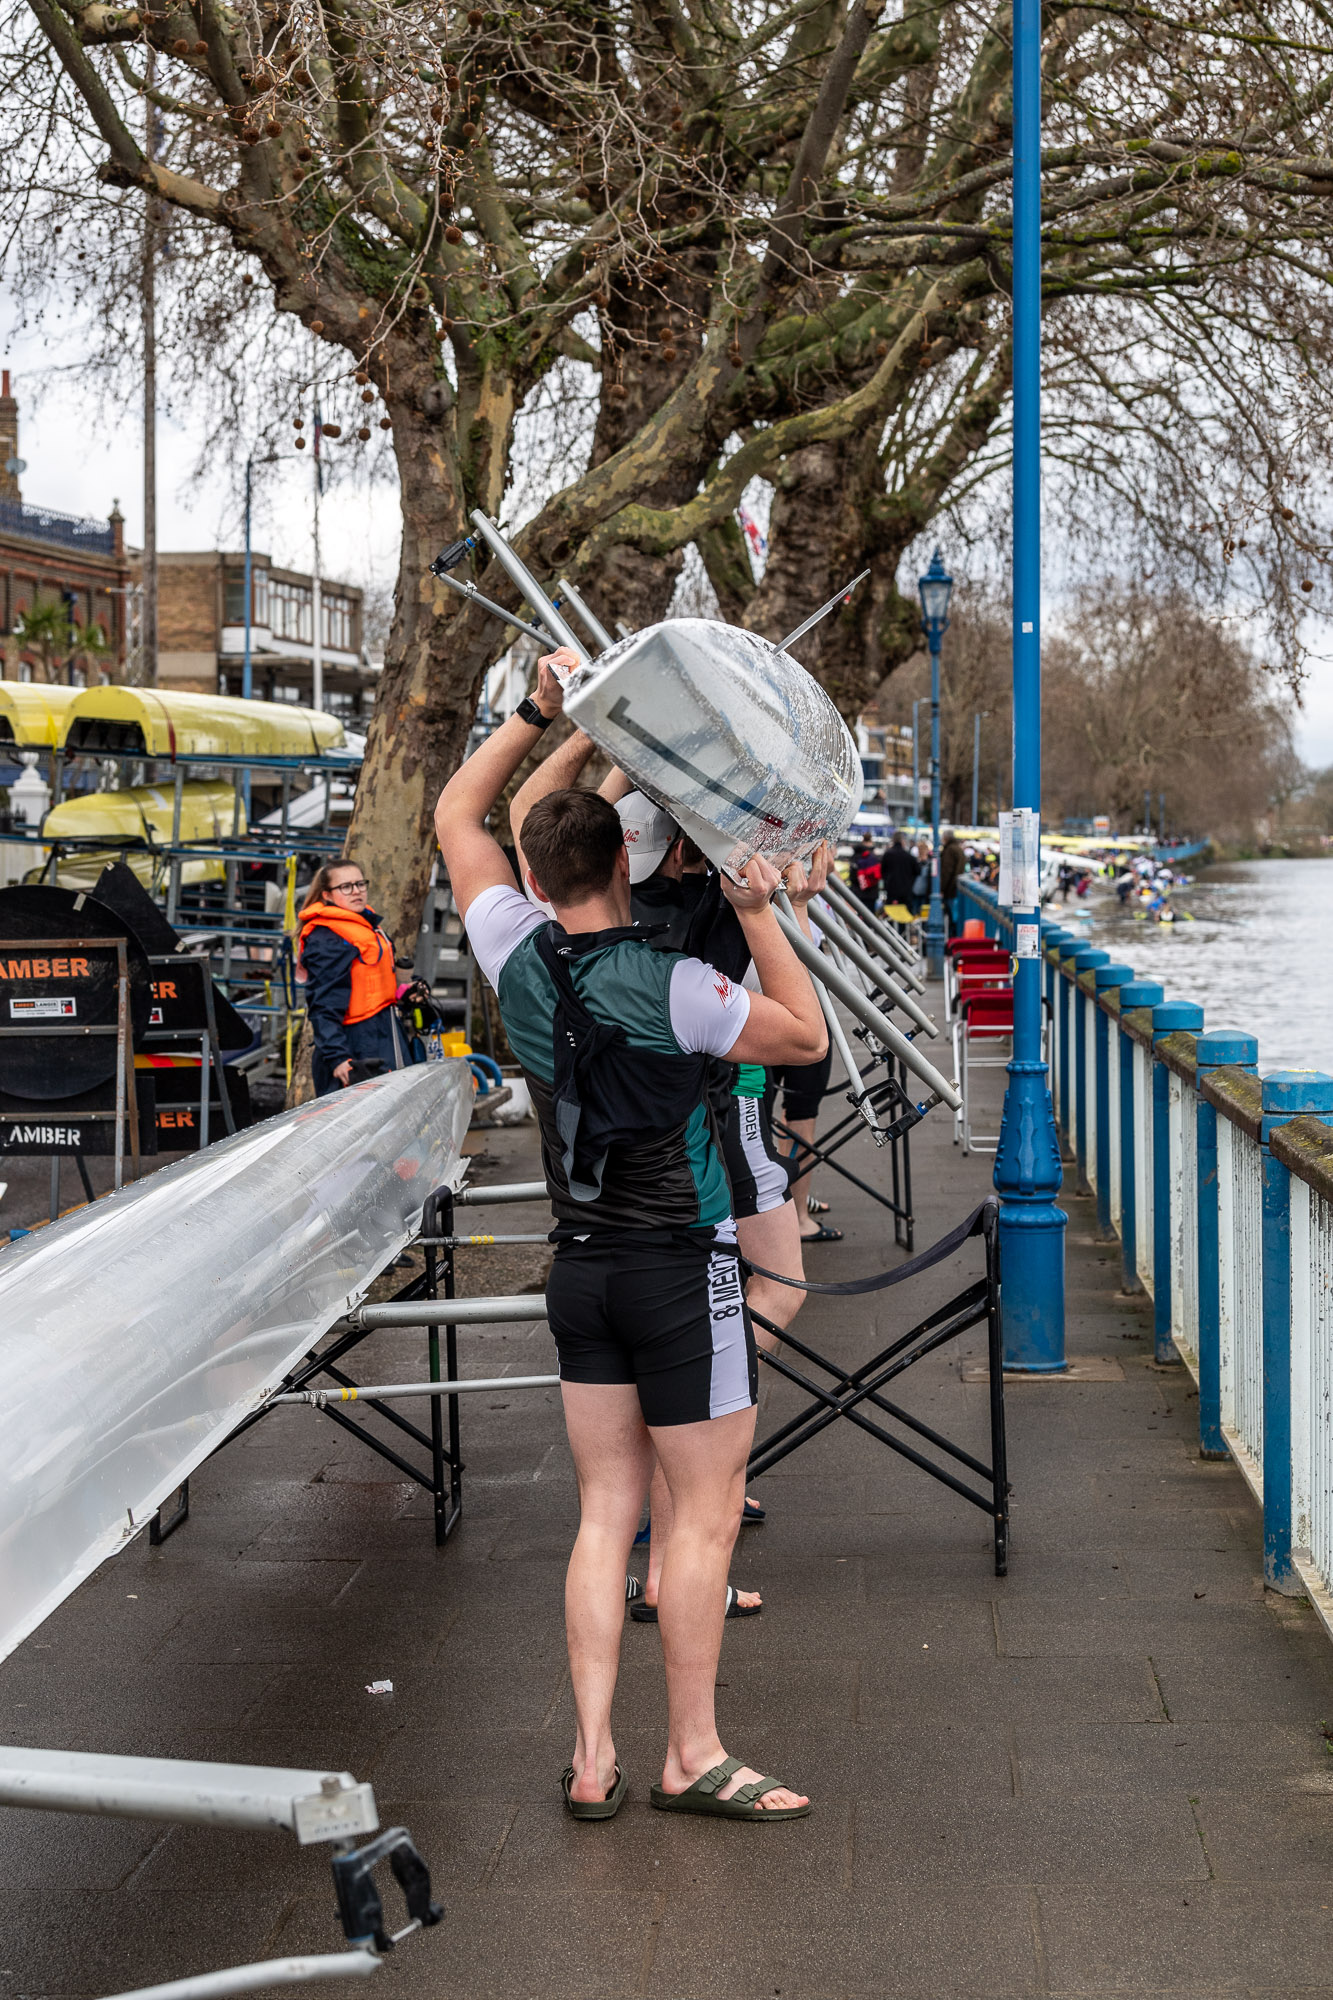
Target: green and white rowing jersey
x: 666, y: 1003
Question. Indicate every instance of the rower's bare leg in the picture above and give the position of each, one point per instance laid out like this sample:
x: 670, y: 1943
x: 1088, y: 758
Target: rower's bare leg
x: 704, y: 1466
x: 773, y: 1240
x: 804, y: 1130
x: 613, y: 1460
x: 661, y: 1514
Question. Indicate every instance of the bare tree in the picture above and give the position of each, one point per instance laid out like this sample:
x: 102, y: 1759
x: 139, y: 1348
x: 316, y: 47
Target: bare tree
x: 718, y: 242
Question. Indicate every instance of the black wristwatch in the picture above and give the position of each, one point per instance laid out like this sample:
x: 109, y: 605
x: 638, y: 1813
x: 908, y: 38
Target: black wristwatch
x: 529, y: 712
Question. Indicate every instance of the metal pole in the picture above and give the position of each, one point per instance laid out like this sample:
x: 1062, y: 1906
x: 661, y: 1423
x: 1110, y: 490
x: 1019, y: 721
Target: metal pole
x: 247, y: 679
x: 916, y: 765
x: 390, y: 1392
x: 1027, y: 1163
x: 875, y: 972
x: 881, y: 936
x: 317, y: 615
x: 148, y: 615
x: 976, y: 769
x: 935, y: 914
x: 256, y: 1978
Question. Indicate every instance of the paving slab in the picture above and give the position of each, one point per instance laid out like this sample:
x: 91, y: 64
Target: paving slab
x: 1101, y: 1774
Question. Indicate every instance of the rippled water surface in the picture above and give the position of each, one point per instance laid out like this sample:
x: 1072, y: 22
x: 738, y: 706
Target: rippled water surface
x: 1258, y: 956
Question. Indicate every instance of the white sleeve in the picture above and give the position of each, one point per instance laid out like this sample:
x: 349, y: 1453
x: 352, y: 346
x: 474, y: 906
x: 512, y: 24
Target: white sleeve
x: 498, y: 920
x: 708, y: 1010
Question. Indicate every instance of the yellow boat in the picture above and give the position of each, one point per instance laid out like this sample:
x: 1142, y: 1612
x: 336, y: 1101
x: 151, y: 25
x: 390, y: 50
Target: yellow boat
x: 149, y: 722
x: 32, y: 714
x: 210, y: 810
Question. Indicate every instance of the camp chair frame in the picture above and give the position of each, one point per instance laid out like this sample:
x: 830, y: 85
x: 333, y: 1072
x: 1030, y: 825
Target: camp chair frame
x: 851, y: 1389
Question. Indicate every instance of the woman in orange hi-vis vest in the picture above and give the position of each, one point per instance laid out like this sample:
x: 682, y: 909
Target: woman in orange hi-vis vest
x: 352, y: 983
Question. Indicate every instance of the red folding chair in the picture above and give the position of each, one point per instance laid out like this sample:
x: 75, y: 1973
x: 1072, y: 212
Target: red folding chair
x: 985, y: 1021
x: 974, y: 970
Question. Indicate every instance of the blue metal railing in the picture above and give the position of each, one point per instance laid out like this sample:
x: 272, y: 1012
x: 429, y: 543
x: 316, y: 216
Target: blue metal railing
x: 43, y: 524
x: 1219, y: 1185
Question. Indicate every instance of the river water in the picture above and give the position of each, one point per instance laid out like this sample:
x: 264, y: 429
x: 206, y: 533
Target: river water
x: 1258, y: 955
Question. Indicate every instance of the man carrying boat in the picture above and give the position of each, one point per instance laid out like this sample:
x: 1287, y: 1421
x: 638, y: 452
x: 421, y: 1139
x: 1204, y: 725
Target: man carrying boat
x: 644, y: 1298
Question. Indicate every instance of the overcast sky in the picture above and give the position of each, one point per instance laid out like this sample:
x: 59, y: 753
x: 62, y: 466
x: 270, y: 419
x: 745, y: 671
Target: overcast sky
x: 82, y: 460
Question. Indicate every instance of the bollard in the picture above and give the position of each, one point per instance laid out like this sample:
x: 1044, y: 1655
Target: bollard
x: 1287, y: 1094
x: 1172, y: 1017
x: 1105, y: 977
x: 1134, y: 993
x: 1083, y: 955
x: 1217, y: 1049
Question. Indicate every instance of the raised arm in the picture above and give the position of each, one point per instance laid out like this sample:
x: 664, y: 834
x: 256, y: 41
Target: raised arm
x: 555, y: 773
x: 472, y: 854
x: 785, y: 1022
x: 614, y: 786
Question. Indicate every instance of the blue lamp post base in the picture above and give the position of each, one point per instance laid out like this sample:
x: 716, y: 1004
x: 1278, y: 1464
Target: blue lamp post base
x: 1032, y: 1226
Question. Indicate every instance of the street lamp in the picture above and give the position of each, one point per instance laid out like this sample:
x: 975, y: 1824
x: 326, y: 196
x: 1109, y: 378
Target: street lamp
x: 936, y: 588
x: 1027, y: 1162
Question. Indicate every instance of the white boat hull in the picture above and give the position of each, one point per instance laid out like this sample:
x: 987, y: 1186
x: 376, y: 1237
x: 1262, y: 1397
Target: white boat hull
x: 732, y: 736
x: 137, y: 1333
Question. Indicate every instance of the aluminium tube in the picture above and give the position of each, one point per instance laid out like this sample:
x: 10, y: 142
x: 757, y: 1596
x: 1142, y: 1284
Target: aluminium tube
x: 881, y: 937
x: 387, y: 1392
x: 852, y: 919
x: 589, y: 617
x: 475, y: 1197
x: 450, y: 1312
x: 518, y: 572
x: 874, y: 971
x: 255, y: 1978
x: 870, y: 1016
x: 856, y: 1088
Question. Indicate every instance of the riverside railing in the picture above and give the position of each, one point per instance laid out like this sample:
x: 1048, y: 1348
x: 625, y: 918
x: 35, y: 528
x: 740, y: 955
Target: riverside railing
x: 1219, y: 1185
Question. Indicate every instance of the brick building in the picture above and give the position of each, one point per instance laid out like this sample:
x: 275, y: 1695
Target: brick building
x: 201, y: 632
x: 47, y: 558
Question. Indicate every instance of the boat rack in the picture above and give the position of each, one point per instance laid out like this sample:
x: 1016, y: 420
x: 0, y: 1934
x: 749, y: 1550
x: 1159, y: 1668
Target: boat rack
x: 228, y: 929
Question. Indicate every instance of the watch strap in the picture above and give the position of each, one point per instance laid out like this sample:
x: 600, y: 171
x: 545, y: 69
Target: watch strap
x: 530, y: 713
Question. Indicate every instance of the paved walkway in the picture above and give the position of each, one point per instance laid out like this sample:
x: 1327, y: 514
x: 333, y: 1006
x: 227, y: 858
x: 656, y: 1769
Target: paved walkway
x: 1104, y: 1774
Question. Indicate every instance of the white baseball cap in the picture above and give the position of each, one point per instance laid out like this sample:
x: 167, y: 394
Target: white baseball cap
x: 648, y: 833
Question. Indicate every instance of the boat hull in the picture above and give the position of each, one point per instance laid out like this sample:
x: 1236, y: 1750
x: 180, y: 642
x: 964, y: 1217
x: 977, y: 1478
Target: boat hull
x: 729, y: 734
x: 136, y: 1334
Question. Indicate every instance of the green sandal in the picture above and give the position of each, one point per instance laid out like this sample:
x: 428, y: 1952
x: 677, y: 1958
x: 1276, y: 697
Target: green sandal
x: 606, y: 1808
x: 702, y: 1796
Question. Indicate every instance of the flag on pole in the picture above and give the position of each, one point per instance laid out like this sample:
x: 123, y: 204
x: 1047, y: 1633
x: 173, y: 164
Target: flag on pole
x: 752, y: 532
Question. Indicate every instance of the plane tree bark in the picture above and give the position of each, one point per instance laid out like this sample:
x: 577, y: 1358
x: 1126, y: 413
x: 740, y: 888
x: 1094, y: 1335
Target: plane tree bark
x: 775, y: 238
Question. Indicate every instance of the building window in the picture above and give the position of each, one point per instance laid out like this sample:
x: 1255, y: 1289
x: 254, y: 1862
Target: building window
x: 234, y: 597
x: 286, y: 694
x: 25, y: 672
x: 337, y: 621
x: 290, y: 610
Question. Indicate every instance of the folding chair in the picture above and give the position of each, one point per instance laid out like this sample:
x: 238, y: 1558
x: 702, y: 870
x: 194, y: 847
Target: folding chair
x: 985, y: 1019
x: 971, y: 971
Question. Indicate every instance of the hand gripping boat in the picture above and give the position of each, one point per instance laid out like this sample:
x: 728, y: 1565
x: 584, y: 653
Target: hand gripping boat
x: 728, y: 733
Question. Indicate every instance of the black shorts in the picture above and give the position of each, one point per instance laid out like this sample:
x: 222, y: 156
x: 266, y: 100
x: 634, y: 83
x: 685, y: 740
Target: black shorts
x: 803, y: 1086
x: 669, y: 1317
x: 758, y: 1175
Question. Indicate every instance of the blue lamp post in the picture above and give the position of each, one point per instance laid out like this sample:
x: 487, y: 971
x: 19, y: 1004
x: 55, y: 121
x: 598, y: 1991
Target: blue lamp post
x: 1027, y: 1163
x: 936, y: 588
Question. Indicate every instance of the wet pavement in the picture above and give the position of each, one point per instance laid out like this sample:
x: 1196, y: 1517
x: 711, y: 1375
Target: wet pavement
x: 1102, y: 1774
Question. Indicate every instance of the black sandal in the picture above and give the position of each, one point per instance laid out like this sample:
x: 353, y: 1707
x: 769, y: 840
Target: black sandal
x: 646, y: 1614
x: 823, y: 1235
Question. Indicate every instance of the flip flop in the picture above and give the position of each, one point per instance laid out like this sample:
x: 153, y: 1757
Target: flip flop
x: 646, y: 1614
x: 702, y: 1796
x: 606, y: 1808
x: 813, y: 1206
x: 633, y: 1589
x: 752, y: 1513
x: 823, y: 1235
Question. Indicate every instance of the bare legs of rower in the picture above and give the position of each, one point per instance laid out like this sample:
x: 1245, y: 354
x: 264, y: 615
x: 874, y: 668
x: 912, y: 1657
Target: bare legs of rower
x: 772, y: 1240
x: 703, y: 1465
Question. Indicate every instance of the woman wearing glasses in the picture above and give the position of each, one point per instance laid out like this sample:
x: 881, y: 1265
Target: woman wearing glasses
x: 351, y: 981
